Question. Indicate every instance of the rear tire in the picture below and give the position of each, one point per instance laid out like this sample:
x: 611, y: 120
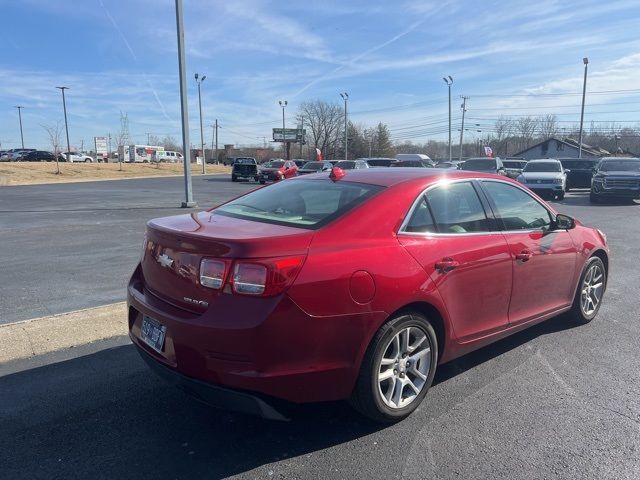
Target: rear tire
x: 561, y: 196
x: 396, y: 374
x: 591, y: 288
x: 234, y: 178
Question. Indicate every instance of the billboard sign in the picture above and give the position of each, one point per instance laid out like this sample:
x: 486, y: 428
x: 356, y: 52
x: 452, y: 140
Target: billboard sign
x: 288, y: 134
x: 101, y: 145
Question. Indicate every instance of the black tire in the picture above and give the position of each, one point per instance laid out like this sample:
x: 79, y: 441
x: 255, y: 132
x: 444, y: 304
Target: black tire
x: 366, y: 396
x: 234, y: 178
x: 561, y: 196
x: 593, y: 198
x: 262, y: 182
x: 577, y: 312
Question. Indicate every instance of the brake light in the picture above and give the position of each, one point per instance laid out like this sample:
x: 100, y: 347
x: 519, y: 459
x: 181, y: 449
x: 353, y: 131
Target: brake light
x: 212, y: 273
x: 266, y: 277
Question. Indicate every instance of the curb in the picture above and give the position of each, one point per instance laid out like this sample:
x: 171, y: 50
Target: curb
x: 43, y: 335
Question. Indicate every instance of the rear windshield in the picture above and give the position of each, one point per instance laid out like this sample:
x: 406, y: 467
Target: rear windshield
x: 542, y: 167
x: 620, y: 166
x: 578, y: 164
x: 245, y: 161
x: 379, y: 162
x: 306, y: 204
x: 313, y: 165
x: 347, y: 164
x: 479, y: 165
x: 512, y: 164
x: 276, y: 164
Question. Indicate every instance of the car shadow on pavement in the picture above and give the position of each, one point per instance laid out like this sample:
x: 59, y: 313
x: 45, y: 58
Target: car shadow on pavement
x: 106, y: 415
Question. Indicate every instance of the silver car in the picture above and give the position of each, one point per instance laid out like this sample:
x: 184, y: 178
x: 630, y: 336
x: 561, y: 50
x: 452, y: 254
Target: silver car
x: 545, y: 177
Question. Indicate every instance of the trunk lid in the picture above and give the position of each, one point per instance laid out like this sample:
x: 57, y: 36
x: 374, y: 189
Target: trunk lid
x: 175, y: 246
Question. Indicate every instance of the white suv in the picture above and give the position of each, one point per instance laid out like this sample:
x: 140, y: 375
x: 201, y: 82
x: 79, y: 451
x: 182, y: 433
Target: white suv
x: 76, y: 157
x: 545, y: 176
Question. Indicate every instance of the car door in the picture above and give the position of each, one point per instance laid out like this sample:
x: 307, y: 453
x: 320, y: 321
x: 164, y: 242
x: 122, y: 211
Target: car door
x: 452, y: 237
x: 544, y: 258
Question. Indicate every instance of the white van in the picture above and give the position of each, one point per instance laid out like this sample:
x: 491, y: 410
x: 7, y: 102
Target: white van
x: 412, y: 156
x: 169, y: 156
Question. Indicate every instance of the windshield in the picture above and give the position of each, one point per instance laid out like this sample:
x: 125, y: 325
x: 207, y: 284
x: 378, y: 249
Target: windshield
x: 346, y: 164
x: 275, y: 164
x: 313, y: 166
x: 512, y: 164
x: 245, y: 161
x: 304, y: 204
x: 620, y: 166
x: 542, y: 167
x: 479, y: 165
x: 577, y: 164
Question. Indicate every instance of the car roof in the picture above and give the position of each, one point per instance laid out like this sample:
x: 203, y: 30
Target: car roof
x: 541, y: 160
x: 388, y: 177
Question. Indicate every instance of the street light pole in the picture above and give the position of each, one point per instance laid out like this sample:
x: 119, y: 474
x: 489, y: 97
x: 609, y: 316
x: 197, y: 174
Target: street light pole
x: 20, y: 107
x: 585, y: 60
x: 204, y: 157
x: 66, y: 125
x: 184, y: 110
x: 464, y: 109
x: 283, y: 103
x: 345, y: 97
x: 449, y: 81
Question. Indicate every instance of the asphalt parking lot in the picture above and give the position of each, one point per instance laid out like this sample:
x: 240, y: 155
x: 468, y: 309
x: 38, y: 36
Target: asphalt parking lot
x: 554, y: 401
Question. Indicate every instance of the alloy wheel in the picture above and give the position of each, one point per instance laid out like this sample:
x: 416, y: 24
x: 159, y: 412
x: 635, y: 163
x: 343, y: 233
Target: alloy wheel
x: 591, y: 290
x: 404, y: 367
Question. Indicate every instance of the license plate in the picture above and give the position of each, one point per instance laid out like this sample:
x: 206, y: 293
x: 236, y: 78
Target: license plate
x: 152, y: 333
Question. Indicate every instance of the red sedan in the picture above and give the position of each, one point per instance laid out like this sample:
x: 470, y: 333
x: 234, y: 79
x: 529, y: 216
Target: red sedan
x: 354, y: 285
x: 276, y: 170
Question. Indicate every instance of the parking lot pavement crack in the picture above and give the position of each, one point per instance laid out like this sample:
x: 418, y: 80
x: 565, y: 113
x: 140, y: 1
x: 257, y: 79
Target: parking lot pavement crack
x: 28, y: 337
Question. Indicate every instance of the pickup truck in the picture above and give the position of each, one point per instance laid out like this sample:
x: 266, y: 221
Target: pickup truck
x: 616, y: 178
x: 245, y: 167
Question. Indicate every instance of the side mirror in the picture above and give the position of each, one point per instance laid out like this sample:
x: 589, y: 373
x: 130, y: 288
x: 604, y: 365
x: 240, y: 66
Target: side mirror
x: 564, y: 222
x: 566, y: 170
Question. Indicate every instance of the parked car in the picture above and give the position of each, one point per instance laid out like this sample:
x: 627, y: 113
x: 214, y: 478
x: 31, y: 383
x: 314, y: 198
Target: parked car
x: 171, y: 156
x: 414, y: 157
x: 380, y: 162
x: 4, y: 156
x: 276, y: 170
x: 450, y: 165
x: 299, y: 162
x: 315, y: 167
x: 513, y: 168
x: 351, y: 164
x: 231, y: 303
x: 244, y: 167
x: 38, y: 156
x: 580, y: 171
x: 413, y: 163
x: 616, y: 178
x: 485, y: 165
x: 16, y: 154
x: 546, y: 177
x: 75, y: 157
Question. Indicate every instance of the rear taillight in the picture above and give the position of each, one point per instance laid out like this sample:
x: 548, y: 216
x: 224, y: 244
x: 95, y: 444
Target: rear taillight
x: 212, y: 273
x: 260, y: 277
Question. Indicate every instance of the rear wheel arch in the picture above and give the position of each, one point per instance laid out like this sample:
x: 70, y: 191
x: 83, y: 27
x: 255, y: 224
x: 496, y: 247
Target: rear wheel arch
x: 437, y: 320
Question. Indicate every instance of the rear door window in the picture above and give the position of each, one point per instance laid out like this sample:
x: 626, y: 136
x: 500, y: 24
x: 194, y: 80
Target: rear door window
x: 516, y: 209
x: 456, y: 208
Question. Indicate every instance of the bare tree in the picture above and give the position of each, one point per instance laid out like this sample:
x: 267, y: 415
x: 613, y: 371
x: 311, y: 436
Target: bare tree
x: 526, y: 127
x: 547, y: 126
x: 169, y: 143
x: 324, y: 121
x: 504, y: 128
x: 122, y: 137
x: 54, y: 132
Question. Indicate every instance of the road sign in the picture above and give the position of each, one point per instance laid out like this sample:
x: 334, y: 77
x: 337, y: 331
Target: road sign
x: 295, y: 135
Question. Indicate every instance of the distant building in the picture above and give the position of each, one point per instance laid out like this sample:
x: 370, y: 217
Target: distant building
x: 560, y: 148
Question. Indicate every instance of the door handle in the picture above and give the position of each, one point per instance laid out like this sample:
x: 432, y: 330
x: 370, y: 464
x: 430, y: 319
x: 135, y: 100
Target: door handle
x: 524, y: 255
x: 446, y: 265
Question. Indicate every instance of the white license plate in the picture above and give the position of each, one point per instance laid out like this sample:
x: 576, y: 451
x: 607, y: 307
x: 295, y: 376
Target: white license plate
x: 153, y: 333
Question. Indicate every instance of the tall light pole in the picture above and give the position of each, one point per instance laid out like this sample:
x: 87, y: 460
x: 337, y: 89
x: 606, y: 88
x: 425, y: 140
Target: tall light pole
x: 204, y: 157
x: 20, y: 107
x: 66, y: 125
x: 585, y: 60
x: 345, y: 97
x: 449, y: 81
x: 184, y: 110
x: 283, y: 104
x: 464, y: 109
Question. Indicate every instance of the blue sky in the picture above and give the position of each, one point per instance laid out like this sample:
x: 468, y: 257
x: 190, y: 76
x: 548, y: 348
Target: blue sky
x: 509, y: 57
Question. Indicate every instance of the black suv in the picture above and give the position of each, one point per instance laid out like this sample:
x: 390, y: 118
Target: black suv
x: 581, y: 171
x: 38, y: 156
x: 616, y: 178
x: 245, y: 167
x: 485, y: 165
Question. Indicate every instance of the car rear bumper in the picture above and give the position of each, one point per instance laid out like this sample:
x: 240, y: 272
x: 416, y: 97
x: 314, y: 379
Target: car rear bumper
x: 216, y: 396
x: 265, y: 346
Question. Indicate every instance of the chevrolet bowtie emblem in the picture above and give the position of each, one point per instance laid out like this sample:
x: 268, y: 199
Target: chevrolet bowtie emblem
x: 165, y: 260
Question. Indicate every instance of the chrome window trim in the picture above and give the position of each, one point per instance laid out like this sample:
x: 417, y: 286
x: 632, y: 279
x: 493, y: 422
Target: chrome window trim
x: 401, y: 231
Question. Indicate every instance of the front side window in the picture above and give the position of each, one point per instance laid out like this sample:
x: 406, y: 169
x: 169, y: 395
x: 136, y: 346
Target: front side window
x: 480, y: 165
x: 456, y: 208
x: 516, y: 208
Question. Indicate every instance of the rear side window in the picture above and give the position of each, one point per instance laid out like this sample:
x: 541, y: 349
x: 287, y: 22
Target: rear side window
x: 421, y: 220
x: 456, y: 208
x: 301, y: 203
x: 517, y: 209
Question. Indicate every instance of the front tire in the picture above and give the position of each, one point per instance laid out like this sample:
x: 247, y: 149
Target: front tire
x: 397, y: 369
x: 561, y: 196
x: 591, y: 288
x: 234, y: 178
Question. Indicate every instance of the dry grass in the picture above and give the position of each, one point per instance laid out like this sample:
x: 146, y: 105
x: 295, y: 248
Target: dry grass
x: 44, y: 172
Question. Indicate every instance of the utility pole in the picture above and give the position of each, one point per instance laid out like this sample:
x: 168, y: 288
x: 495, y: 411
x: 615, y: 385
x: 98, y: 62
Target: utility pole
x: 449, y: 81
x: 283, y: 103
x: 20, y: 107
x: 216, y: 140
x: 148, y: 138
x: 464, y: 109
x: 345, y: 97
x: 109, y: 148
x: 204, y: 157
x: 184, y: 110
x: 66, y: 125
x: 213, y: 138
x: 585, y: 60
x: 302, y: 137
